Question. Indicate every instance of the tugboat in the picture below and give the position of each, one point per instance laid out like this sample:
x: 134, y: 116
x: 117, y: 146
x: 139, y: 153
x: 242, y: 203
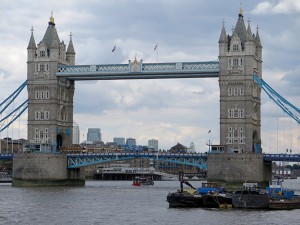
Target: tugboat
x: 251, y: 197
x: 185, y: 198
x: 282, y: 198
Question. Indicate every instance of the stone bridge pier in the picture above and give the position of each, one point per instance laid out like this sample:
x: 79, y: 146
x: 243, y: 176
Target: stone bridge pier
x: 45, y: 169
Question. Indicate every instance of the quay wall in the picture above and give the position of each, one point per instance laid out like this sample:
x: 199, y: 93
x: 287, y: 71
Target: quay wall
x: 44, y: 169
x: 235, y: 169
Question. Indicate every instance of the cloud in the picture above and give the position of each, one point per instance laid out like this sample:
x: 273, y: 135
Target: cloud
x: 280, y: 7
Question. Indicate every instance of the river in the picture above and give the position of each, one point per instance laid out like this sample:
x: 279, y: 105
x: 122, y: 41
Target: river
x: 120, y: 203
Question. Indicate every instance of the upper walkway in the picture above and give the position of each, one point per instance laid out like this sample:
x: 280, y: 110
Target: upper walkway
x: 140, y: 70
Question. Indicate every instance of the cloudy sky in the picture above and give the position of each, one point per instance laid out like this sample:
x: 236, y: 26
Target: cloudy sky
x: 174, y: 110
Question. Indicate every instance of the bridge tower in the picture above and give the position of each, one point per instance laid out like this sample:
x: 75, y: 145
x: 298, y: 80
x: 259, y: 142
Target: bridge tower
x: 240, y: 55
x: 50, y: 105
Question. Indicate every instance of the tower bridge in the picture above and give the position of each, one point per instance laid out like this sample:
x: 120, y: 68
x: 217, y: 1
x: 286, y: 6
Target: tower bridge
x: 52, y: 74
x: 51, y: 77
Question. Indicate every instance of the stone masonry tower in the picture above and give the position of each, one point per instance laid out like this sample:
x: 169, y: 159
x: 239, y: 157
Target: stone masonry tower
x: 50, y: 106
x: 240, y: 55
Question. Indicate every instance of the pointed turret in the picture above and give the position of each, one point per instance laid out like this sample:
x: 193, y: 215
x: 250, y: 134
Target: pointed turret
x: 223, y: 36
x: 31, y: 49
x: 32, y: 44
x: 249, y: 35
x: 70, y: 46
x: 249, y: 44
x: 257, y: 38
x: 70, y: 54
x: 223, y: 41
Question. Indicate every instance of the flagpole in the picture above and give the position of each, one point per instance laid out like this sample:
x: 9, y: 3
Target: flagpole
x: 209, y: 141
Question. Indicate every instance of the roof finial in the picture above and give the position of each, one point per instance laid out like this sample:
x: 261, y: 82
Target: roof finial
x: 257, y: 27
x: 51, y: 18
x: 71, y: 35
x: 223, y: 22
x: 241, y: 8
x: 32, y: 30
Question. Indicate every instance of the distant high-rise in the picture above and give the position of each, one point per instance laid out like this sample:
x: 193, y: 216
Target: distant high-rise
x: 153, y: 144
x: 130, y: 142
x: 119, y: 140
x: 94, y: 134
x: 76, y: 133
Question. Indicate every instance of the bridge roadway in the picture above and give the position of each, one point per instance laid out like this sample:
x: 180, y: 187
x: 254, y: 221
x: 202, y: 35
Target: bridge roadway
x: 76, y: 160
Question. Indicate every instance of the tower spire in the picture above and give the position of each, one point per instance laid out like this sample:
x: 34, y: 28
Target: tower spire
x: 51, y: 21
x: 241, y: 9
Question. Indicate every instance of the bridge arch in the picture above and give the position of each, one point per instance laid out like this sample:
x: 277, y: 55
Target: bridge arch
x: 83, y: 160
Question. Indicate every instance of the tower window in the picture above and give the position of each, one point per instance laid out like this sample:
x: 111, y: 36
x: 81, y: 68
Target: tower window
x: 236, y: 113
x: 235, y: 91
x: 47, y: 94
x: 241, y: 91
x: 42, y: 53
x: 235, y: 47
x: 229, y: 91
x: 235, y: 62
x: 42, y: 67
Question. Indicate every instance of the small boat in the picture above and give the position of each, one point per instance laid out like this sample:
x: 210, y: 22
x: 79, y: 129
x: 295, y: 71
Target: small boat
x: 139, y: 181
x: 250, y: 197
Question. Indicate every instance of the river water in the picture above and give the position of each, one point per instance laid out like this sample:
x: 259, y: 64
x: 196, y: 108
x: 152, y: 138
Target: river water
x: 120, y: 203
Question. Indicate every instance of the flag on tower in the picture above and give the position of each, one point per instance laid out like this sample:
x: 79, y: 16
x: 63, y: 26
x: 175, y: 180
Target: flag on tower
x: 155, y: 47
x: 113, y: 49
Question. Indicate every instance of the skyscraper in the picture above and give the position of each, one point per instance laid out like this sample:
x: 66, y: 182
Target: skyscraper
x: 131, y: 142
x: 94, y: 134
x: 152, y: 143
x: 119, y: 140
x: 76, y: 133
